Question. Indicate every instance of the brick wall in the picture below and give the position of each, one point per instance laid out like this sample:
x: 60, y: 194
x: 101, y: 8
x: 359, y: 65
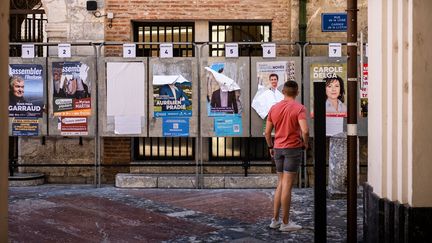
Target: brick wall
x: 277, y: 11
x: 115, y: 151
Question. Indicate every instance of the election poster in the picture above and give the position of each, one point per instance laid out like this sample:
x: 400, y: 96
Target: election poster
x: 72, y: 89
x: 223, y: 92
x: 364, y: 92
x: 334, y: 74
x: 172, y: 96
x: 73, y: 126
x: 26, y: 90
x: 25, y: 126
x: 271, y: 77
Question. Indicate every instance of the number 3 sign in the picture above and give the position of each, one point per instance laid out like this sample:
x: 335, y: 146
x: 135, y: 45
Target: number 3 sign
x: 129, y: 50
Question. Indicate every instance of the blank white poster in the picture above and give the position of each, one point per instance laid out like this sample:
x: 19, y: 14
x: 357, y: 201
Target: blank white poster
x: 127, y: 125
x: 125, y: 89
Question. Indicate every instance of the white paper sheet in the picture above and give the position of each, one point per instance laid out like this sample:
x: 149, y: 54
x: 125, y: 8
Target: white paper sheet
x: 168, y: 79
x: 226, y: 84
x: 125, y: 89
x: 264, y: 100
x: 127, y: 125
x: 334, y: 125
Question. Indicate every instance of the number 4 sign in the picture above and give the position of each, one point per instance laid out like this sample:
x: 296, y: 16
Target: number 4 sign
x: 335, y: 49
x: 269, y: 50
x: 166, y: 50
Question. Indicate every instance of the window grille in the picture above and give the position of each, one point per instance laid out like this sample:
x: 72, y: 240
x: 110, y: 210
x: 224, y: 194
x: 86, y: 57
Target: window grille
x: 239, y: 32
x: 164, y: 32
x: 175, y: 148
x: 27, y: 24
x: 233, y: 148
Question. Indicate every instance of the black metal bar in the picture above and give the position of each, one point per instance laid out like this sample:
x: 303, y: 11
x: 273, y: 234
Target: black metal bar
x: 320, y: 162
x: 352, y: 121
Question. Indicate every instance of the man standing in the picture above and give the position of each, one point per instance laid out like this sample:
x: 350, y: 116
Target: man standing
x: 288, y: 118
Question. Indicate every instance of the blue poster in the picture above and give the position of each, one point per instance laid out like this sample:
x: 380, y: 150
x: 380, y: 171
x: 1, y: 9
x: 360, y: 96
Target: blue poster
x: 26, y: 90
x: 228, y: 126
x: 25, y: 127
x: 175, y: 127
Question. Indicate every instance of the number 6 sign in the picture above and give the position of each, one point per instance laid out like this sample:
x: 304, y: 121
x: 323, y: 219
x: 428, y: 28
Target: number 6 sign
x: 269, y: 50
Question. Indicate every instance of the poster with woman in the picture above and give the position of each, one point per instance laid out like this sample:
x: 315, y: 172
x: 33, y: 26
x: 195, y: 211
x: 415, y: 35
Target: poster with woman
x: 72, y: 89
x: 334, y: 74
x: 223, y: 93
x: 26, y: 90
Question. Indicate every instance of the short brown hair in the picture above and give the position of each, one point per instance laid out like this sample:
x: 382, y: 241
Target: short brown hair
x: 290, y: 88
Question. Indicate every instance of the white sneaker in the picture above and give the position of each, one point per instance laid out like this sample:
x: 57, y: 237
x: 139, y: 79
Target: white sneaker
x: 275, y: 224
x: 291, y: 226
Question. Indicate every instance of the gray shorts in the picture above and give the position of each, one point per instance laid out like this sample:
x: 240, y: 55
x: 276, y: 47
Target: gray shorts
x: 287, y: 159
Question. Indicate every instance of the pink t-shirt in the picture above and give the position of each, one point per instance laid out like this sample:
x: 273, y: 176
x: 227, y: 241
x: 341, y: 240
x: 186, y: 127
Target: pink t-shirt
x: 285, y: 117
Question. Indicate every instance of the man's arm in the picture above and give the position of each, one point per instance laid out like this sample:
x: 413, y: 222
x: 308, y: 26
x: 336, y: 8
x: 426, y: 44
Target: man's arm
x: 305, y: 133
x: 268, y: 131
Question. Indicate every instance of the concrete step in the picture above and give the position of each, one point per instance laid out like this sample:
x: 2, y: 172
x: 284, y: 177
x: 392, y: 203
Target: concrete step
x: 124, y: 180
x: 26, y: 179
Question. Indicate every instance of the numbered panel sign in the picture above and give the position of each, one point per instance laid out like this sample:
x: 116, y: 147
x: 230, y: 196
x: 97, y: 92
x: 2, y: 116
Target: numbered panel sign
x: 367, y: 50
x: 231, y: 50
x: 27, y: 51
x: 269, y: 50
x: 64, y: 50
x: 166, y: 50
x: 129, y: 50
x: 335, y: 49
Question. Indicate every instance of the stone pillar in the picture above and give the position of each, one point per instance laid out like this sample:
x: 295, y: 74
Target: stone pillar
x: 4, y: 101
x: 337, y: 175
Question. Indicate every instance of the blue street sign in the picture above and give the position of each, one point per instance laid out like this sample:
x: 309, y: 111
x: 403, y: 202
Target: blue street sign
x: 334, y: 22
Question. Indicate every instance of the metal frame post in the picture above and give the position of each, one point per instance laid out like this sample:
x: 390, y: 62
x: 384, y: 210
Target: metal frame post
x: 352, y: 120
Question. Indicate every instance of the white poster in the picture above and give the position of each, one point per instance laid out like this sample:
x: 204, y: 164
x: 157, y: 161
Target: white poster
x: 125, y: 89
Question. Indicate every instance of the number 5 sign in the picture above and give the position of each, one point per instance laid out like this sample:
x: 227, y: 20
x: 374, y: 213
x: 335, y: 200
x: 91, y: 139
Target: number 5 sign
x: 269, y: 50
x: 231, y: 50
x: 335, y: 49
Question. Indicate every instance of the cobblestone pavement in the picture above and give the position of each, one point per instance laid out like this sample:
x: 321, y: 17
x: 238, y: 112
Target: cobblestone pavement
x: 82, y: 213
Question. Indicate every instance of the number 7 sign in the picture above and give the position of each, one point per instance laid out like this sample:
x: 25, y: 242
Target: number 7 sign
x: 335, y: 49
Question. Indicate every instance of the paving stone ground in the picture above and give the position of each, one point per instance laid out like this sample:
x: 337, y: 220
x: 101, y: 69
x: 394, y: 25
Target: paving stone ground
x: 83, y: 213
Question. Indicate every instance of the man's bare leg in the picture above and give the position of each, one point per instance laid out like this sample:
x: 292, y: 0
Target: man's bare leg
x: 277, y: 197
x: 287, y: 183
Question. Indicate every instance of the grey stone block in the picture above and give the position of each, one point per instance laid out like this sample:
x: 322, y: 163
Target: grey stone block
x: 214, y: 181
x: 176, y: 181
x: 251, y: 181
x: 136, y: 181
